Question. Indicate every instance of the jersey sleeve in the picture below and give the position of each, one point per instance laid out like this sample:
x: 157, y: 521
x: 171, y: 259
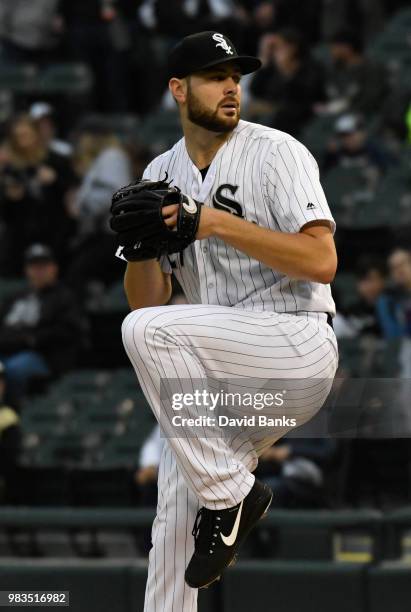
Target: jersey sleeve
x: 148, y: 174
x: 293, y: 188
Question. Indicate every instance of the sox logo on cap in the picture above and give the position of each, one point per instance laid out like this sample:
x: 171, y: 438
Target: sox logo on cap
x: 221, y: 42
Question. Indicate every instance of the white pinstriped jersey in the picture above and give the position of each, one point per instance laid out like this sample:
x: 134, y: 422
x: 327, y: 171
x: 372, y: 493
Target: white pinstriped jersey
x: 267, y: 177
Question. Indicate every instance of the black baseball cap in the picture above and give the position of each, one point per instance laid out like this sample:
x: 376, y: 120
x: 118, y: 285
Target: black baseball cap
x: 38, y: 252
x: 203, y: 50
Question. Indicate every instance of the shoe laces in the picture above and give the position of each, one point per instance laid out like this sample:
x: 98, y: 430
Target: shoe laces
x: 206, y: 529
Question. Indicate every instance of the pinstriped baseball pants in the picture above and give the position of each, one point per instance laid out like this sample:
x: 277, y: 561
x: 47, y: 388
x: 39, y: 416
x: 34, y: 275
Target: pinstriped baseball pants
x: 209, y: 342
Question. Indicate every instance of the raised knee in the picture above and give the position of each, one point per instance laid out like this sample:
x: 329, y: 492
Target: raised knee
x: 133, y: 326
x: 141, y: 328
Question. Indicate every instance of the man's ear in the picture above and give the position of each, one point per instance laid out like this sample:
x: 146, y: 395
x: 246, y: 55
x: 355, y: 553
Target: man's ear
x: 178, y: 88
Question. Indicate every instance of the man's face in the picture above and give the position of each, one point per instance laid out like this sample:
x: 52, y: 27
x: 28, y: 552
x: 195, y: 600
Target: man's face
x: 353, y: 141
x: 400, y: 268
x: 340, y: 52
x: 25, y: 136
x: 371, y: 285
x: 213, y: 98
x: 46, y: 128
x: 41, y: 274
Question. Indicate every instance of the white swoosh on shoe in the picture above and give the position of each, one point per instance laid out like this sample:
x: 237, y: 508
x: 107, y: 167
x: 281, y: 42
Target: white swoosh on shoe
x: 230, y: 539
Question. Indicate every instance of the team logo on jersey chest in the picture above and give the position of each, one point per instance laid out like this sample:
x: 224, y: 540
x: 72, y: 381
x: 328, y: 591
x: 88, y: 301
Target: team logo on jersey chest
x: 222, y: 202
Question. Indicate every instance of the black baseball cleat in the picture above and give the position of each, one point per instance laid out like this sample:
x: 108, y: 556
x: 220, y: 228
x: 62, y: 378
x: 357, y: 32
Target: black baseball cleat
x: 219, y: 534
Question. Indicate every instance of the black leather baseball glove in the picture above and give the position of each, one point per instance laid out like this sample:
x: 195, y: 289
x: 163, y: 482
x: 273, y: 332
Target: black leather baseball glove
x: 136, y: 217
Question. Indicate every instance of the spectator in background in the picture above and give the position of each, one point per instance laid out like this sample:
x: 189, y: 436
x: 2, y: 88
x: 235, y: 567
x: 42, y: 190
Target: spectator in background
x: 366, y: 16
x: 176, y: 19
x: 362, y: 316
x: 290, y: 83
x: 29, y: 31
x: 97, y: 33
x: 341, y: 324
x: 352, y: 147
x: 394, y: 307
x: 295, y: 469
x: 103, y: 166
x: 41, y: 328
x: 42, y: 114
x: 147, y: 472
x: 10, y: 441
x: 354, y: 82
x: 146, y: 479
x: 34, y: 182
x: 265, y: 16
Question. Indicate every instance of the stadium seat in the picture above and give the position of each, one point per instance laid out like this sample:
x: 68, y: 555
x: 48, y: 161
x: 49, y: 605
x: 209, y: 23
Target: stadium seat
x: 18, y: 78
x: 37, y: 450
x: 345, y: 286
x: 393, y: 197
x: 85, y: 380
x: 42, y: 417
x: 65, y: 78
x: 126, y: 126
x: 316, y: 134
x: 68, y: 78
x: 10, y: 286
x: 124, y: 450
x: 161, y: 130
x: 88, y: 417
x: 69, y: 449
x: 349, y: 191
x: 349, y: 536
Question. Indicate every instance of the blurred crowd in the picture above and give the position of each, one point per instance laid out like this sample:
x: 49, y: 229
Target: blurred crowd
x: 125, y: 42
x: 381, y: 305
x: 61, y: 158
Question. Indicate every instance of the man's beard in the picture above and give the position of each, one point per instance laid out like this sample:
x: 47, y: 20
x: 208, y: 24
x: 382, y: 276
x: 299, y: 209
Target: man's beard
x: 209, y: 120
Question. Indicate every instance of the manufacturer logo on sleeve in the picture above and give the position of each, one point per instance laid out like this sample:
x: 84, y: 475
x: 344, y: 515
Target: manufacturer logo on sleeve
x: 310, y: 206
